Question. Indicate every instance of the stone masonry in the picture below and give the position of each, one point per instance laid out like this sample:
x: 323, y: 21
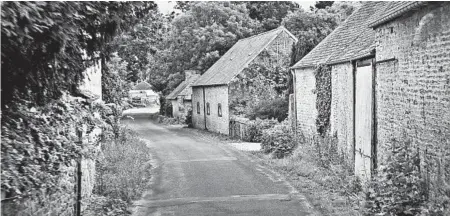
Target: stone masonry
x: 413, y: 86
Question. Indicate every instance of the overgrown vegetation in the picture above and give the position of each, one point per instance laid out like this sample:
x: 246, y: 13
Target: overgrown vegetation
x: 123, y: 168
x: 256, y: 128
x: 322, y: 74
x: 38, y: 143
x: 278, y: 140
x: 400, y: 187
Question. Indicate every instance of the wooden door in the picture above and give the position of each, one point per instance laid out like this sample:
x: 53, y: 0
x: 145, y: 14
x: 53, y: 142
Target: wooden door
x: 363, y: 119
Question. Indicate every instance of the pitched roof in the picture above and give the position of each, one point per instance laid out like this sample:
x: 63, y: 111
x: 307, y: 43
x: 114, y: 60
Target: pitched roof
x: 142, y: 86
x: 238, y: 57
x: 184, y: 88
x: 352, y: 39
x: 393, y: 10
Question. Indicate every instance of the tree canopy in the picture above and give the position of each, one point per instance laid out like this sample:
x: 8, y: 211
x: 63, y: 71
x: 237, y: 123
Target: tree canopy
x: 46, y: 46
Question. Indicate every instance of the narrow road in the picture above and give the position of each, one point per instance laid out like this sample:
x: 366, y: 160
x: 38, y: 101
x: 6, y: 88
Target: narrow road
x: 195, y: 175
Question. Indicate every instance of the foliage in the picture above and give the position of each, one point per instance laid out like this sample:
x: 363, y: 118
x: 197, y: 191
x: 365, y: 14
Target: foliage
x: 278, y: 140
x: 197, y: 38
x: 188, y: 120
x: 398, y: 188
x: 260, y: 92
x: 100, y: 205
x: 138, y: 44
x: 309, y: 28
x: 322, y: 74
x: 323, y: 4
x: 114, y: 84
x: 255, y: 129
x: 276, y: 108
x: 38, y: 142
x: 122, y: 169
x: 269, y: 14
x: 46, y: 46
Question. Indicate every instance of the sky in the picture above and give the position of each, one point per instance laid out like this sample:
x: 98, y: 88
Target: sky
x: 167, y: 6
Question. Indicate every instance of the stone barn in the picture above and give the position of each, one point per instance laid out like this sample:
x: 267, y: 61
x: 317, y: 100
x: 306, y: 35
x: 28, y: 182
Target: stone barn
x: 388, y: 66
x: 181, y: 97
x: 412, y: 90
x: 220, y: 86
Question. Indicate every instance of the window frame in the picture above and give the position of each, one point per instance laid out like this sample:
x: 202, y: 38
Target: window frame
x: 198, y: 107
x: 219, y: 110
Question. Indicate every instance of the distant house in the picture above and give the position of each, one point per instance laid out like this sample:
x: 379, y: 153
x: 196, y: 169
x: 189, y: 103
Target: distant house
x: 181, y: 96
x: 389, y: 73
x: 143, y: 93
x: 218, y: 88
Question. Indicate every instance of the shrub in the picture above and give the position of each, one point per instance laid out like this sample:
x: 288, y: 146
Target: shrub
x: 123, y: 170
x: 256, y: 127
x: 188, y: 119
x: 278, y: 140
x: 398, y: 188
x: 267, y: 109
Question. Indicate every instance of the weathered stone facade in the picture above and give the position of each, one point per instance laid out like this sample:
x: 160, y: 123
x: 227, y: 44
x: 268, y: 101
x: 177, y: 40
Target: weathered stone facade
x: 413, y: 85
x: 214, y: 95
x: 275, y: 54
x: 305, y: 93
x: 341, y: 118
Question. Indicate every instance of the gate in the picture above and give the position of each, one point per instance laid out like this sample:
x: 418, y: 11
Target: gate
x: 364, y: 119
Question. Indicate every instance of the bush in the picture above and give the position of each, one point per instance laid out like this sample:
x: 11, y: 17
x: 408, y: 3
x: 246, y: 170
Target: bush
x: 188, y: 119
x: 398, y: 188
x: 277, y: 108
x: 278, y: 140
x: 256, y: 127
x: 123, y: 171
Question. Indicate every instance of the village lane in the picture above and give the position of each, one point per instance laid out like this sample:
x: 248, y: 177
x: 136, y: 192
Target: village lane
x: 195, y: 175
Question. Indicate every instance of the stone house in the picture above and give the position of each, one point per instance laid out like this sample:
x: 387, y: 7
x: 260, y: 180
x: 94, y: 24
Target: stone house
x: 389, y: 71
x: 215, y: 93
x: 143, y: 93
x: 181, y: 97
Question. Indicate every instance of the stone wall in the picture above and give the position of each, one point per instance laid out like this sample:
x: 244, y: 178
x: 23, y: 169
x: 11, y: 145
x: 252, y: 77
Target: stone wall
x: 341, y: 118
x: 180, y: 107
x: 213, y: 95
x: 413, y: 90
x: 198, y: 118
x: 305, y: 93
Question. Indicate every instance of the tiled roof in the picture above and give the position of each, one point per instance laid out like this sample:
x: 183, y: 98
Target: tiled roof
x: 238, y: 57
x: 184, y: 89
x: 352, y: 39
x: 393, y: 10
x: 142, y: 86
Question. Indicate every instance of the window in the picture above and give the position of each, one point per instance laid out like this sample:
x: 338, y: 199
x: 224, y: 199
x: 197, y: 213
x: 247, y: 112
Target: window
x: 207, y: 109
x: 219, y: 110
x: 198, y: 107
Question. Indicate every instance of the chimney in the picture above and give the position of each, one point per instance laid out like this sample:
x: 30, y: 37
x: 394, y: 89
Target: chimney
x: 189, y: 73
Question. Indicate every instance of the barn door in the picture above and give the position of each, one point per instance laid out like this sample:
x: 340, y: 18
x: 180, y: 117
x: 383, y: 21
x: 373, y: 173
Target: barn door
x: 363, y: 119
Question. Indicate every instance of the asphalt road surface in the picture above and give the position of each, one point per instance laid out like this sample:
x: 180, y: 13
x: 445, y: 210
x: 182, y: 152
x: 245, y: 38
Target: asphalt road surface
x: 195, y: 175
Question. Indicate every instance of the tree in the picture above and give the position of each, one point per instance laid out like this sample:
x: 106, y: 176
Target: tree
x: 197, y: 38
x: 310, y: 29
x: 136, y: 45
x: 46, y: 46
x: 323, y: 4
x: 270, y: 14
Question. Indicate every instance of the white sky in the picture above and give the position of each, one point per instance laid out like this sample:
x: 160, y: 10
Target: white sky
x: 167, y: 6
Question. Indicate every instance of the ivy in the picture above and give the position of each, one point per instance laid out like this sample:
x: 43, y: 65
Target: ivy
x: 37, y: 143
x: 322, y: 74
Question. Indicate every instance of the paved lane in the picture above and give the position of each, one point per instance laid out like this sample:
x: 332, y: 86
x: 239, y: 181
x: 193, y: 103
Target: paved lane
x: 197, y: 176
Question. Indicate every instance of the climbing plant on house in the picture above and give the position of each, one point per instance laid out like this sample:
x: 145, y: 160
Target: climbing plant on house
x: 322, y: 74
